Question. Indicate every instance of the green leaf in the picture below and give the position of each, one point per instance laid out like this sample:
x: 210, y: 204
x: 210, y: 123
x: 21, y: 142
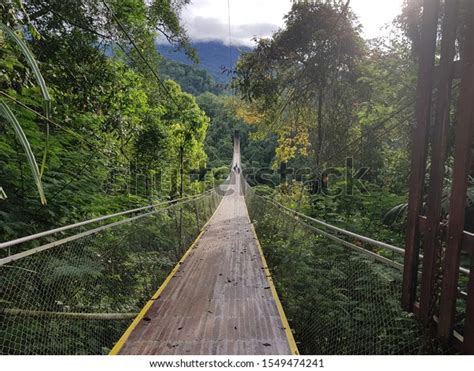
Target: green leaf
x: 39, y: 78
x: 33, y: 65
x: 10, y: 117
x: 3, y: 195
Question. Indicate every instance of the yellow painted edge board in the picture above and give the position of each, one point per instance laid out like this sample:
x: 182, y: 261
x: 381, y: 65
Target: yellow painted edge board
x: 120, y: 343
x: 281, y: 312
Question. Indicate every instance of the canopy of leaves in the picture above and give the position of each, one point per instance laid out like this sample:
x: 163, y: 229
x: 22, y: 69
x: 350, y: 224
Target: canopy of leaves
x: 117, y: 127
x: 299, y: 83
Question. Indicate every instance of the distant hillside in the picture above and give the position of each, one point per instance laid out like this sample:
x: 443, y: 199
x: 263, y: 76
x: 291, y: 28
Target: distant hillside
x: 191, y: 79
x: 214, y: 57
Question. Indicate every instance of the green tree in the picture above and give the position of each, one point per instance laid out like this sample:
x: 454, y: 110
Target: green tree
x: 300, y: 81
x: 106, y: 101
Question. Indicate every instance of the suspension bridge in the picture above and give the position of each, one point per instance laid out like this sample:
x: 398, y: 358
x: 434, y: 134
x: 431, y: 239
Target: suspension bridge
x: 230, y: 271
x: 220, y: 299
x: 191, y: 277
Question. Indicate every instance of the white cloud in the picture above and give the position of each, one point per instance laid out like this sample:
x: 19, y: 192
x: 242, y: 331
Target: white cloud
x: 208, y: 19
x: 206, y: 29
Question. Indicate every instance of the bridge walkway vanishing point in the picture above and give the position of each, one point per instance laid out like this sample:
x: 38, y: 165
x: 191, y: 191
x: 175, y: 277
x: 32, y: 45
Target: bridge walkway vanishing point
x: 219, y: 299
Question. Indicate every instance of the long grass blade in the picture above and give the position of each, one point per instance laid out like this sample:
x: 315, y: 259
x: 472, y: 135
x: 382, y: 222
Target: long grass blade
x: 10, y: 117
x: 45, y: 152
x: 3, y: 195
x: 33, y: 65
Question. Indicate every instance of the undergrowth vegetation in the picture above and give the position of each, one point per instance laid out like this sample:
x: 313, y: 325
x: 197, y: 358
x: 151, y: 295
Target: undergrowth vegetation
x: 338, y: 301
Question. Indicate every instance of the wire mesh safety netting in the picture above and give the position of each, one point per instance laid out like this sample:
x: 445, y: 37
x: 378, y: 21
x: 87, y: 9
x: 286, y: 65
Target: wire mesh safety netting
x: 337, y: 300
x: 77, y: 295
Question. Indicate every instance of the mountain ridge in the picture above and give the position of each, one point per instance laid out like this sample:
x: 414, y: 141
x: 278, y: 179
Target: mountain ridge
x: 215, y: 57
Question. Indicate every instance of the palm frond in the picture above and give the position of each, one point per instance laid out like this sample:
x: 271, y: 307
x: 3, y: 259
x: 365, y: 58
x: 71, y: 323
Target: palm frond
x: 396, y: 214
x: 41, y: 83
x: 30, y: 59
x: 3, y: 195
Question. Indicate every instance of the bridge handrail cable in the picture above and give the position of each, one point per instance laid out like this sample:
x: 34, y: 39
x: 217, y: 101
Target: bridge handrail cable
x: 356, y: 236
x: 368, y: 240
x: 31, y: 237
x: 35, y: 250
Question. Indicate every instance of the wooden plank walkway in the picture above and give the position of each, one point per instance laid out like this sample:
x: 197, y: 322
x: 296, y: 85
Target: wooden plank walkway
x: 220, y: 300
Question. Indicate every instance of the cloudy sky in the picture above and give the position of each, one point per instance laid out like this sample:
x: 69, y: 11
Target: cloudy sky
x: 208, y: 19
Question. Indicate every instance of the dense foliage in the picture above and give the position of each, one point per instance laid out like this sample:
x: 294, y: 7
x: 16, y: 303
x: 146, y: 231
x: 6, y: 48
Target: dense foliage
x: 339, y: 301
x: 192, y: 79
x: 331, y: 98
x: 326, y: 95
x: 117, y: 130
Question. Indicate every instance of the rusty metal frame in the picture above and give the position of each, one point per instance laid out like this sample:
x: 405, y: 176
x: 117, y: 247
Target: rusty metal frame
x: 426, y: 232
x: 439, y: 140
x: 419, y: 148
x: 462, y: 168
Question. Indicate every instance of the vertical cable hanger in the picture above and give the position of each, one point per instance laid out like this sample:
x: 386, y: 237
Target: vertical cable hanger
x: 230, y: 34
